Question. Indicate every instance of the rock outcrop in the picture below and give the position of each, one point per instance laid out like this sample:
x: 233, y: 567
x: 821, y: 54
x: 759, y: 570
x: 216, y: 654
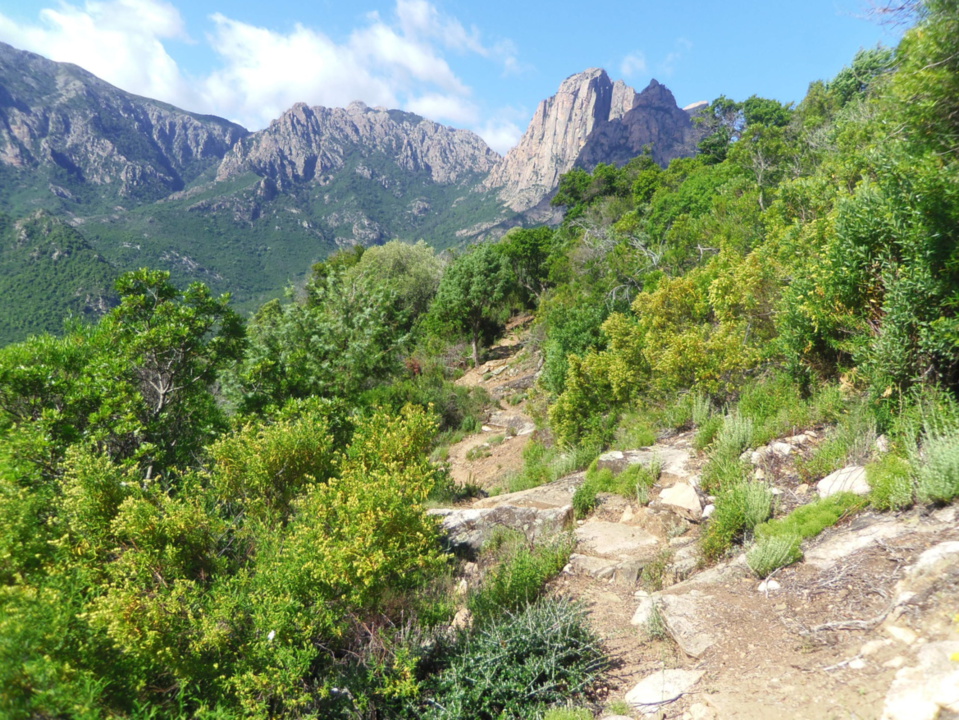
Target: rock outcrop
x: 306, y: 144
x: 59, y: 117
x: 590, y: 120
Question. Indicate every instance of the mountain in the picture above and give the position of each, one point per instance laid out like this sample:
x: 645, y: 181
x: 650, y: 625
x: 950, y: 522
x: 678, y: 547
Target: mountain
x: 65, y: 131
x: 589, y: 120
x: 145, y: 184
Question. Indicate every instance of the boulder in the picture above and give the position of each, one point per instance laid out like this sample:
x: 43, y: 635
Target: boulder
x: 682, y: 499
x: 518, y: 424
x: 684, y: 619
x: 849, y: 479
x: 612, y: 540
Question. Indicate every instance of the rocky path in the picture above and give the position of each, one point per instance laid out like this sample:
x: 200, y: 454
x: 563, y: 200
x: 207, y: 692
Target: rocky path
x: 862, y: 628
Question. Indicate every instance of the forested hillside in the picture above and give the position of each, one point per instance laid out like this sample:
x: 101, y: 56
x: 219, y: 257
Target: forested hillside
x: 206, y: 517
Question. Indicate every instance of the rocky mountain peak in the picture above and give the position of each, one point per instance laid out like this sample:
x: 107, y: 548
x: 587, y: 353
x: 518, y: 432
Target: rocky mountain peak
x: 306, y: 143
x: 589, y: 120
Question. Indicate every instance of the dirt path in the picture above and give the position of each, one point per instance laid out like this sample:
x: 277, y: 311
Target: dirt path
x: 825, y: 640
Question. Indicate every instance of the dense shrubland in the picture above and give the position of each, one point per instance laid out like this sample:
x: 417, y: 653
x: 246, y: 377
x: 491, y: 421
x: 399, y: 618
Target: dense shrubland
x: 201, y: 517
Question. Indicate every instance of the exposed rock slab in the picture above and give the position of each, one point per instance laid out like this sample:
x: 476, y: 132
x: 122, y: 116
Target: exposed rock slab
x: 613, y: 540
x: 845, y: 542
x: 519, y: 424
x: 928, y: 690
x: 674, y: 462
x: 553, y: 495
x: 849, y: 479
x: 683, y: 616
x: 661, y: 688
x: 468, y: 529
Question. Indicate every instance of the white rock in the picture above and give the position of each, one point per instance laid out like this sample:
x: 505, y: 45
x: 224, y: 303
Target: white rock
x: 903, y: 635
x: 661, y: 688
x: 857, y: 664
x: 895, y: 663
x: 849, y: 479
x: 769, y: 586
x: 644, y: 612
x: 684, y: 500
x: 686, y: 622
x: 708, y: 510
x: 928, y: 691
x: 698, y: 711
x: 600, y: 538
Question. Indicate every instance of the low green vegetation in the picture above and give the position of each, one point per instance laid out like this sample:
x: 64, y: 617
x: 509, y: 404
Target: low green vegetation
x: 778, y: 541
x: 633, y: 483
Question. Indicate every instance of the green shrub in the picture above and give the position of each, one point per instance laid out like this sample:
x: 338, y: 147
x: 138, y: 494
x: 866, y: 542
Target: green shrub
x: 850, y: 442
x: 890, y: 478
x: 771, y: 553
x: 631, y: 483
x: 519, y: 665
x: 938, y: 480
x: 518, y: 579
x: 739, y: 509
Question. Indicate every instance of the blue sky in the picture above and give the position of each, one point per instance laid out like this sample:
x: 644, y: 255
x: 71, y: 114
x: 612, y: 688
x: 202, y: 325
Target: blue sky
x: 478, y: 65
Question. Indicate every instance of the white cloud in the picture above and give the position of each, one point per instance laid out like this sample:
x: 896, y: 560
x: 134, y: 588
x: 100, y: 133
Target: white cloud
x: 504, y: 129
x: 667, y: 66
x: 401, y: 61
x: 449, y: 107
x: 633, y: 64
x: 120, y: 41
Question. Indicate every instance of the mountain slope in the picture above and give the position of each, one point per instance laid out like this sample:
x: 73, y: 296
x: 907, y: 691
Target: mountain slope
x: 61, y: 124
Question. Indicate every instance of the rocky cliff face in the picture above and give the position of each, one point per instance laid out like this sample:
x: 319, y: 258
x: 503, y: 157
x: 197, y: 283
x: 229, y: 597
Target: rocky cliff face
x: 306, y: 144
x: 590, y: 120
x: 59, y: 117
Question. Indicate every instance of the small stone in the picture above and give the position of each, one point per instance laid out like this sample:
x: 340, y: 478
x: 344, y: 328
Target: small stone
x: 882, y: 444
x: 643, y: 613
x: 627, y: 514
x: 463, y: 587
x: 463, y: 619
x: 802, y: 489
x: 895, y: 663
x: 759, y: 474
x: 487, y: 428
x: 769, y: 586
x: 708, y: 510
x: 683, y: 499
x: 857, y: 664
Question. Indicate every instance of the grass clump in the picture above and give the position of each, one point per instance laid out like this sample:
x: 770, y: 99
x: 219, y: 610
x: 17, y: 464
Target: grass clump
x: 519, y: 577
x: 519, y: 666
x: 568, y: 714
x: 851, y: 442
x: 545, y: 464
x: 633, y: 483
x: 890, y: 478
x: 771, y: 553
x: 739, y: 509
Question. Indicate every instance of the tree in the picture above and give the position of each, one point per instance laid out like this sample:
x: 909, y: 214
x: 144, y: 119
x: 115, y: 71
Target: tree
x: 472, y: 295
x: 528, y: 251
x: 411, y: 272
